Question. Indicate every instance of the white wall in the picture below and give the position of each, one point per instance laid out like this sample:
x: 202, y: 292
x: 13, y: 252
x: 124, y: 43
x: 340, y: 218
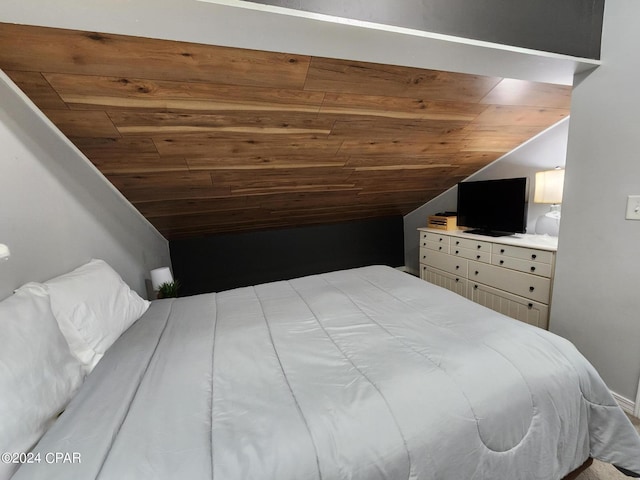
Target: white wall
x: 57, y: 211
x: 596, y: 297
x: 543, y: 152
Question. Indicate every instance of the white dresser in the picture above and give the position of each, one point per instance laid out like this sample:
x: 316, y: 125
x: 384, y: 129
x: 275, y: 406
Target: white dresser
x: 512, y: 275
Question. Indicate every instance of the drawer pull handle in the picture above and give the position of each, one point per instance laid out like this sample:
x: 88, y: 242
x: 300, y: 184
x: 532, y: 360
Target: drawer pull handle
x: 457, y: 267
x: 530, y: 306
x: 531, y: 289
x: 439, y: 248
x: 479, y: 246
x: 533, y: 256
x: 477, y: 272
x: 457, y: 242
x: 457, y: 280
x: 424, y: 256
x: 424, y: 244
x: 440, y: 239
x: 475, y: 287
x: 502, y: 250
x: 501, y: 262
x: 457, y: 252
x: 533, y: 269
x: 478, y: 256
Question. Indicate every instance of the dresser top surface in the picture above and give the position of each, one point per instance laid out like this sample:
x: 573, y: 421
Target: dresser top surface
x: 527, y: 240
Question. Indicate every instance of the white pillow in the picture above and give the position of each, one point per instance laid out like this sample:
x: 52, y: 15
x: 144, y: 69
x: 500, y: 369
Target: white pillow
x: 93, y: 306
x: 38, y: 374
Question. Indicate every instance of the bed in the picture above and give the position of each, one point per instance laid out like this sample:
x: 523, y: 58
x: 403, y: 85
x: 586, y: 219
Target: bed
x: 367, y: 373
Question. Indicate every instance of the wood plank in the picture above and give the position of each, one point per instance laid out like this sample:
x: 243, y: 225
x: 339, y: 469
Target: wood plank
x: 500, y: 139
x: 34, y: 85
x: 167, y: 186
x: 109, y: 148
x: 161, y: 179
x: 163, y: 208
x: 90, y: 53
x: 134, y: 164
x: 172, y: 192
x: 127, y: 155
x: 399, y: 181
x: 333, y: 75
x: 137, y: 123
x: 400, y: 146
x: 520, y: 115
x: 91, y: 91
x: 403, y: 168
x: 248, y: 182
x: 525, y: 93
x: 277, y: 201
x: 351, y: 126
x: 89, y: 123
x: 317, y: 211
x: 398, y: 107
x: 230, y: 145
x: 424, y: 159
x: 264, y: 161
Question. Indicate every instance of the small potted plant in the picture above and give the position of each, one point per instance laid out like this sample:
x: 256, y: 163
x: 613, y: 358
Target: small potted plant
x: 169, y: 289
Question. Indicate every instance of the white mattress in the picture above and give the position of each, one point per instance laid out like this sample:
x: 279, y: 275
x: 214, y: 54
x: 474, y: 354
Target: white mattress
x: 359, y: 374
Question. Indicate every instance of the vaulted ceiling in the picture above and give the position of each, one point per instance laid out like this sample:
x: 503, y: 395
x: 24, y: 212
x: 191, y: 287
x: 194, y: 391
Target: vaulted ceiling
x: 205, y: 139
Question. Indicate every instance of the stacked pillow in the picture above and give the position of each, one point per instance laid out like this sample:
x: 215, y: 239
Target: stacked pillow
x: 53, y: 334
x: 38, y: 373
x: 93, y: 306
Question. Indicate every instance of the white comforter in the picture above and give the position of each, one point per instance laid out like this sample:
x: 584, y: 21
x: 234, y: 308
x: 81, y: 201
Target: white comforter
x: 359, y: 374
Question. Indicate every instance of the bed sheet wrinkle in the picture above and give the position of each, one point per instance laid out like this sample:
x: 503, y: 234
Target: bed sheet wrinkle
x: 362, y: 372
x: 352, y: 429
x: 273, y: 442
x: 103, y: 402
x: 169, y: 438
x: 613, y: 421
x: 498, y: 431
x: 375, y: 359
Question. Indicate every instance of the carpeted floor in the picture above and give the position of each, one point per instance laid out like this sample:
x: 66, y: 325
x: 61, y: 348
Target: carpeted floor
x: 604, y: 471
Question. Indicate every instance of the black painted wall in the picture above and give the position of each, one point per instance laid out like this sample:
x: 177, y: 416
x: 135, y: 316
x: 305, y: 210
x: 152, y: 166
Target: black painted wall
x: 221, y: 262
x: 570, y: 27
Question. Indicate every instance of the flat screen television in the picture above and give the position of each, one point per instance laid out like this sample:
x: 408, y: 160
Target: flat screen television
x: 494, y: 207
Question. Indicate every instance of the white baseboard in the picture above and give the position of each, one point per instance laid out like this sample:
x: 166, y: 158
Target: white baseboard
x: 627, y: 405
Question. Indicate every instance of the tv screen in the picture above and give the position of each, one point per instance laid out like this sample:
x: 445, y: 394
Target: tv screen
x: 494, y: 207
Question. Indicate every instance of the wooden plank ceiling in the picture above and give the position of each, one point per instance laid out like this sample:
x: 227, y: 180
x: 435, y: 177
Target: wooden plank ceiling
x: 206, y: 139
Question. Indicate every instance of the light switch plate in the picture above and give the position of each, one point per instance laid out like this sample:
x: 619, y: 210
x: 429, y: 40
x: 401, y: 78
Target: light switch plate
x: 633, y: 207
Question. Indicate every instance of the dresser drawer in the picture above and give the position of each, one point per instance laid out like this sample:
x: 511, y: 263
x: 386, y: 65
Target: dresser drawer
x: 434, y: 237
x: 477, y: 255
x: 518, y: 283
x: 523, y: 309
x: 542, y: 256
x: 448, y: 263
x: 527, y: 266
x: 444, y: 279
x: 433, y: 246
x: 471, y: 244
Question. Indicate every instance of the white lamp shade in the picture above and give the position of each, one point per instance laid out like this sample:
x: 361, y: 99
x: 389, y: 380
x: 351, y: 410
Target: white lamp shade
x: 4, y: 252
x: 549, y: 186
x: 160, y: 276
